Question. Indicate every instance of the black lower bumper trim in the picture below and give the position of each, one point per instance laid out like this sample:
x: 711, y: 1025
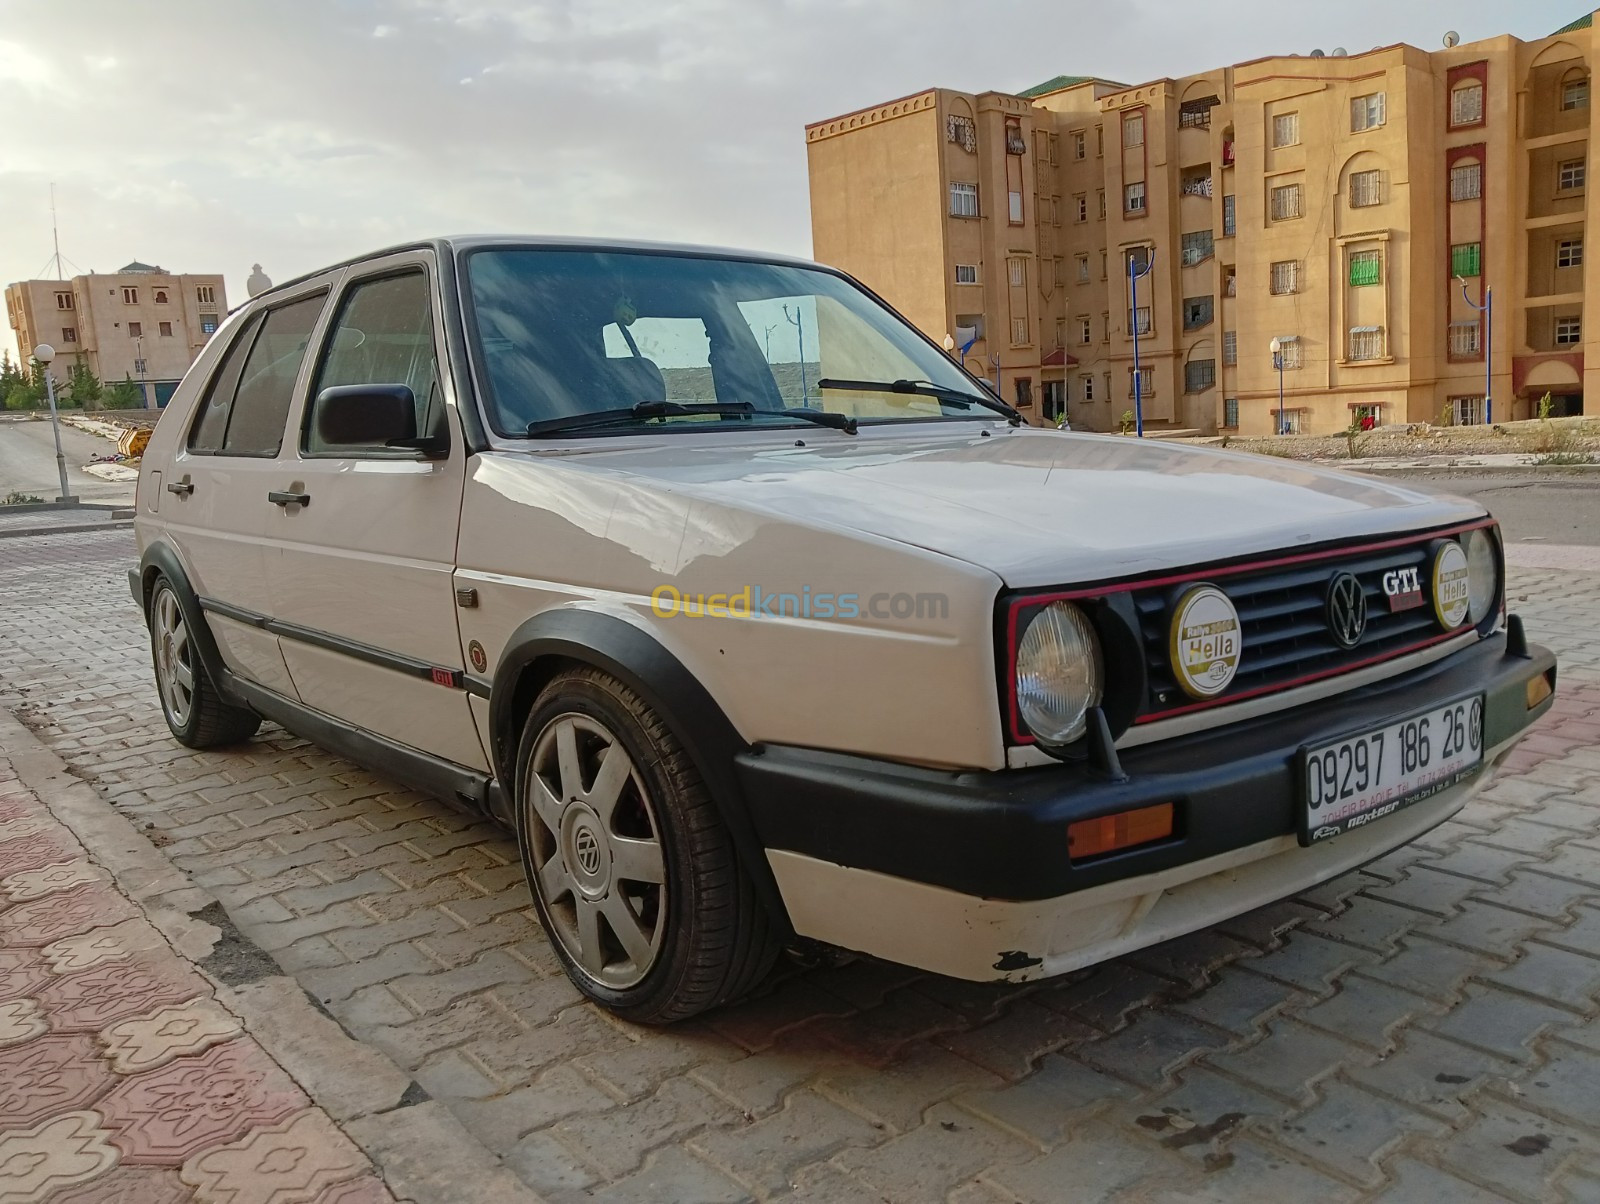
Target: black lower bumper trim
x: 1003, y: 835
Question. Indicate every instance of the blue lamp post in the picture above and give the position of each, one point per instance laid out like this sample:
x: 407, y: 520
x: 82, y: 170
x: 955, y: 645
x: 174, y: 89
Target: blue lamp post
x: 1134, y: 275
x: 1277, y: 362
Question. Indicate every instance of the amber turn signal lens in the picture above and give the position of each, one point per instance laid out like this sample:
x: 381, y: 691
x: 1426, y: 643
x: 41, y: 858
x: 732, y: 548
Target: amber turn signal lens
x: 1539, y: 688
x: 1124, y: 830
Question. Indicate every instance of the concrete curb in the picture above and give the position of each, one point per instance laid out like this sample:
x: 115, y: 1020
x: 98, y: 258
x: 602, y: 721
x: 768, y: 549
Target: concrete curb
x: 73, y: 529
x: 423, y: 1153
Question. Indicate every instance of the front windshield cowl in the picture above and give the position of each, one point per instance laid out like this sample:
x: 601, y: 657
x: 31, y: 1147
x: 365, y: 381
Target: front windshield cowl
x: 585, y: 342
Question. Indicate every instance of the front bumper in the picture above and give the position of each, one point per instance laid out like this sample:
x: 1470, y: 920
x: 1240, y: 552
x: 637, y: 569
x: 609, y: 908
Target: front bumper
x: 853, y: 841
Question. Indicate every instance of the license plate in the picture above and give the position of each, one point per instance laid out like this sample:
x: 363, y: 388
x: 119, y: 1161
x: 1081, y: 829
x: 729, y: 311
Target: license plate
x: 1353, y: 781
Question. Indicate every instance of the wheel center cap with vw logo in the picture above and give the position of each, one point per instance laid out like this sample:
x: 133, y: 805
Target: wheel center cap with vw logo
x: 587, y: 846
x: 1346, y: 610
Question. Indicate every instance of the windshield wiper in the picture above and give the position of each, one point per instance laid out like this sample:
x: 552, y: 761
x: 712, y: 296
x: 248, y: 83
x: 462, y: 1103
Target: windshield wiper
x: 841, y: 422
x: 922, y: 388
x: 635, y: 413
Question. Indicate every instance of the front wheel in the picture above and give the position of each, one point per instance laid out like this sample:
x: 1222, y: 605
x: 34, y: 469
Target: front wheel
x: 633, y: 874
x: 195, y: 713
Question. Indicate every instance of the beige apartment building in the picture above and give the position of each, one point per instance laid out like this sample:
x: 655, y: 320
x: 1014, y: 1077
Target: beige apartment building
x: 1354, y: 208
x: 142, y: 323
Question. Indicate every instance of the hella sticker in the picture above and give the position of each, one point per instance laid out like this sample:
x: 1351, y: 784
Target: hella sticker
x: 1403, y: 588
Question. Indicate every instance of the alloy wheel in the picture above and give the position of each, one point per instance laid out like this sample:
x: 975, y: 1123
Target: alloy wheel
x: 174, y: 657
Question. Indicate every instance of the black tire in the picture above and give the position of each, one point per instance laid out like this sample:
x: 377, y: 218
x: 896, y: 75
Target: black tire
x: 715, y: 939
x: 195, y: 713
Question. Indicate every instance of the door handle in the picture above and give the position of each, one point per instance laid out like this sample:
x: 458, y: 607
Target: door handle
x: 182, y: 488
x: 289, y: 499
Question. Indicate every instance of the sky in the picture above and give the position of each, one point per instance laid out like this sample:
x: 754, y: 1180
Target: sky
x: 208, y: 136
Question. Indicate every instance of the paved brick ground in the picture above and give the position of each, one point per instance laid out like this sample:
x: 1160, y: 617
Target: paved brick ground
x: 1422, y: 1030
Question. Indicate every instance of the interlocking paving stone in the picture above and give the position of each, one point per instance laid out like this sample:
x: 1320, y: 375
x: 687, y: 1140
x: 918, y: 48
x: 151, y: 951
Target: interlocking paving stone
x: 51, y: 1075
x: 115, y: 990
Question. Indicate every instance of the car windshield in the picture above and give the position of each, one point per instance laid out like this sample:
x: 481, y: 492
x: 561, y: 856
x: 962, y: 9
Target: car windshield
x: 566, y: 333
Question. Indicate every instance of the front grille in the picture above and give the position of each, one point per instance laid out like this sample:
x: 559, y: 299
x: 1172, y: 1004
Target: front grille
x: 1283, y: 624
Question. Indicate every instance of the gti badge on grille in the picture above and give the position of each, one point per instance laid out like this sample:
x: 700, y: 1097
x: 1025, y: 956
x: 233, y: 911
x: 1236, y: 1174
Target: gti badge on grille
x: 1346, y: 610
x: 1403, y: 588
x: 1205, y: 642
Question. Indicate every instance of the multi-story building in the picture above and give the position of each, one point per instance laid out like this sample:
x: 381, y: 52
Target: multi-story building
x: 1352, y: 210
x: 142, y: 323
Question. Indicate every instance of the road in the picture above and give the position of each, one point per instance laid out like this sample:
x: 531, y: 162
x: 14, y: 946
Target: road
x: 28, y: 463
x: 1560, y: 507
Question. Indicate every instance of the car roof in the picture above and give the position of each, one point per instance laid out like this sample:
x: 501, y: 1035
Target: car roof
x: 456, y: 243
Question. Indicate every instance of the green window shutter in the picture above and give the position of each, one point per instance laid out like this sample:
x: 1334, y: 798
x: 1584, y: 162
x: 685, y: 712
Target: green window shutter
x: 1466, y: 259
x: 1364, y: 269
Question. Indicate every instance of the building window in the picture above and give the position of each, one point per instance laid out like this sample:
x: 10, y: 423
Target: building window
x: 1366, y: 112
x: 208, y: 323
x: 1569, y: 331
x: 1055, y: 399
x: 165, y: 329
x: 1017, y: 271
x: 1055, y: 211
x: 1058, y: 271
x: 962, y: 132
x: 69, y: 334
x: 1366, y: 343
x: 1102, y: 265
x: 1289, y: 350
x: 1198, y: 246
x: 1229, y: 224
x: 1133, y: 197
x: 1466, y: 104
x: 1286, y: 129
x: 130, y: 296
x: 1019, y: 332
x: 1024, y: 388
x: 1569, y: 253
x: 1088, y: 387
x: 1196, y: 114
x: 1466, y: 182
x: 1285, y: 277
x: 1080, y: 145
x: 1466, y: 411
x: 1366, y: 188
x: 963, y: 200
x: 1575, y: 93
x: 138, y: 367
x: 1133, y: 129
x: 1569, y: 175
x: 1199, y: 375
x: 1083, y: 269
x: 966, y: 273
x: 1014, y: 212
x: 1230, y: 347
x: 1085, y: 330
x: 1366, y: 416
x: 1139, y: 320
x: 1464, y: 339
x: 1230, y: 413
x: 1466, y: 259
x: 64, y: 301
x: 1081, y: 203
x: 135, y: 330
x: 1230, y: 281
x: 205, y: 294
x: 1145, y: 378
x: 1285, y: 202
x: 1366, y: 267
x: 1198, y: 312
x: 1015, y: 145
x: 161, y: 296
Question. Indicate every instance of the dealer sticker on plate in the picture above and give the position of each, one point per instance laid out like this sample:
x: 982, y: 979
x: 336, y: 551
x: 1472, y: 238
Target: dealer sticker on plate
x: 1351, y: 782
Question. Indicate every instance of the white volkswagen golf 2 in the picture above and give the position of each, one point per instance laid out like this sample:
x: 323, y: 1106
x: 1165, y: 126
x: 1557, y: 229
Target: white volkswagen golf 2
x: 762, y: 623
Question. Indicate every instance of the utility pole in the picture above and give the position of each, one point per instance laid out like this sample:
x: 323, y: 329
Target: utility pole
x: 1134, y: 275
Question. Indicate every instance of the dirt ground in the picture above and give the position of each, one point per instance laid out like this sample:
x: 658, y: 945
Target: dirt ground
x: 1564, y: 437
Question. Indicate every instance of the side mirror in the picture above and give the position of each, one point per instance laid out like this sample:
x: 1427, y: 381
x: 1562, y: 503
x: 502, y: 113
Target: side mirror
x: 371, y: 416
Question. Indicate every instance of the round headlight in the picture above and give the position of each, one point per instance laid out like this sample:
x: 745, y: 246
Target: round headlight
x: 1483, y: 577
x: 1059, y: 675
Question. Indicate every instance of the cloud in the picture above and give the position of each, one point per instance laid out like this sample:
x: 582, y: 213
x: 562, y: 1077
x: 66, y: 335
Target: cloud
x: 296, y: 132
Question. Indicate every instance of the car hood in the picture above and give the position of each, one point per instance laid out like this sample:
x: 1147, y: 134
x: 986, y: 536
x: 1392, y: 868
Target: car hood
x: 1037, y: 507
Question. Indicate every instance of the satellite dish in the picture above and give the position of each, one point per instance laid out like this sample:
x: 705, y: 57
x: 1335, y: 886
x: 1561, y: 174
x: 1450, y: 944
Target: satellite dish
x: 1451, y: 38
x: 1318, y: 54
x: 1340, y: 52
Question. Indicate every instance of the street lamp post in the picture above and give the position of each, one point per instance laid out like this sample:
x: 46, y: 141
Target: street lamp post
x: 144, y: 386
x: 1487, y: 310
x: 44, y: 354
x: 798, y: 322
x: 1277, y: 362
x: 1134, y: 275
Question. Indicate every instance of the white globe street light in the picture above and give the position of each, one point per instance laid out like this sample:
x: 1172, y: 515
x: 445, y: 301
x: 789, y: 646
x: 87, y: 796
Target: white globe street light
x: 44, y: 354
x: 1277, y: 362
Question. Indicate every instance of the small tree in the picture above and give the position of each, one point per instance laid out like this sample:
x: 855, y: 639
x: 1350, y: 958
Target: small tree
x: 83, y: 388
x: 21, y: 388
x: 124, y: 395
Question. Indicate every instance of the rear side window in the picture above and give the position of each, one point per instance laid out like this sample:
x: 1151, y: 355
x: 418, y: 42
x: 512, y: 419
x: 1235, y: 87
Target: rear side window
x: 249, y: 401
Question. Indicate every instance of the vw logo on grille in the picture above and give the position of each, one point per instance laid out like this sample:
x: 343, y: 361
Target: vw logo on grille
x: 1346, y: 610
x: 587, y: 846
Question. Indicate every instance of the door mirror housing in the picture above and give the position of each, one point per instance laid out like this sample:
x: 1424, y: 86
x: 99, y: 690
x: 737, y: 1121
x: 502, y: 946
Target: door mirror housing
x: 351, y: 417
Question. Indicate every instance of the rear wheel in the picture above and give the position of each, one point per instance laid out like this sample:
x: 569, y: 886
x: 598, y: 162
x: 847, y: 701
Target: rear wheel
x: 193, y: 710
x: 633, y: 874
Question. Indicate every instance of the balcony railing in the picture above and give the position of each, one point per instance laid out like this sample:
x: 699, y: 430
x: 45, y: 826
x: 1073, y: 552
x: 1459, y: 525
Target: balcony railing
x: 1197, y: 186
